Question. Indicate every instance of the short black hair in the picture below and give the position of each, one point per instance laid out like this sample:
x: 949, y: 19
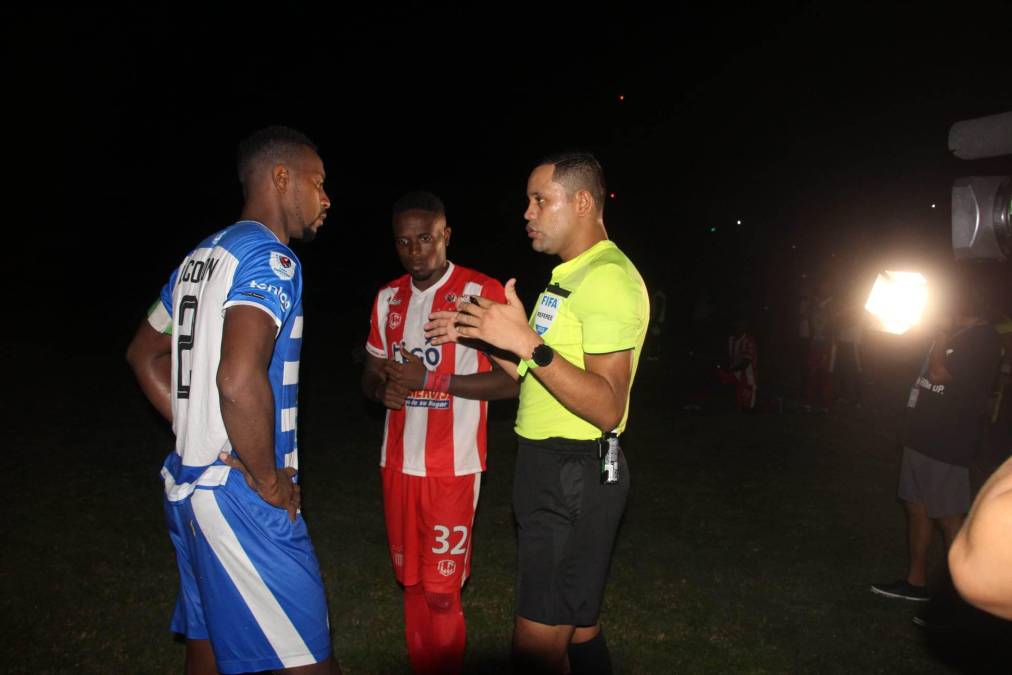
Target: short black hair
x: 578, y: 171
x: 271, y: 144
x: 422, y: 200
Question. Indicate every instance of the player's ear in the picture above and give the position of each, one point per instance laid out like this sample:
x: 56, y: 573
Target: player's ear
x: 446, y: 235
x: 280, y: 178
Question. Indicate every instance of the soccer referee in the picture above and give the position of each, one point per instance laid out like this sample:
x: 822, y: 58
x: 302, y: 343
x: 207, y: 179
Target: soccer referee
x: 576, y: 360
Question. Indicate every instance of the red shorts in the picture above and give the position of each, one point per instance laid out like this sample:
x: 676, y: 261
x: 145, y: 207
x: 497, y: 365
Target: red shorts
x: 429, y: 524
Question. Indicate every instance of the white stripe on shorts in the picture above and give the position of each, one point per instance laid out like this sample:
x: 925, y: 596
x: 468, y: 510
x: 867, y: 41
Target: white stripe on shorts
x: 288, y: 417
x: 474, y: 509
x: 262, y: 604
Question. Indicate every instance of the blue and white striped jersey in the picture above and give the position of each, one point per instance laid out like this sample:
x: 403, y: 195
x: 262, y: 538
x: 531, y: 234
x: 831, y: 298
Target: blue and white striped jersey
x: 244, y: 264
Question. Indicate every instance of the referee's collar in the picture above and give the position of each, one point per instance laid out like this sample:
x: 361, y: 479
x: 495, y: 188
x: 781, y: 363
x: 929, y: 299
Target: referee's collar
x: 562, y: 268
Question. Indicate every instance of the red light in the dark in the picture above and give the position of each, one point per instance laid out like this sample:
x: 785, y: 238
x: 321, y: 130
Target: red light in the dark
x: 621, y: 97
x: 612, y: 195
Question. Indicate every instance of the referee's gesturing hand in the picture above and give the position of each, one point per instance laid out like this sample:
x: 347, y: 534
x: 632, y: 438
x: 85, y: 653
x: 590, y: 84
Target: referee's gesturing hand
x: 501, y: 325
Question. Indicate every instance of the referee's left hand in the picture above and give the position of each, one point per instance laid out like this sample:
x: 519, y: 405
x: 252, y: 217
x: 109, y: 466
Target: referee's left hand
x: 442, y: 328
x: 500, y: 325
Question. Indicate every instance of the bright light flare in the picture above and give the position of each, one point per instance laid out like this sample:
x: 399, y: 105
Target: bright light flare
x: 898, y: 300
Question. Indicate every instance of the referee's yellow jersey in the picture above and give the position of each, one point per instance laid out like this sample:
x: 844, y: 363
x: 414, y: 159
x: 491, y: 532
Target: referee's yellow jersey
x: 596, y: 303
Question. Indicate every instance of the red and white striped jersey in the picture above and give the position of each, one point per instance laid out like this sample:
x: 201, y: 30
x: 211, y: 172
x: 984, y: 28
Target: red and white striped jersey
x: 435, y: 433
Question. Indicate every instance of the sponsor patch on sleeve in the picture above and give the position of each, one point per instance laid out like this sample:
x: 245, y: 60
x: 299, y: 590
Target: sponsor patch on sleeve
x: 255, y: 286
x: 282, y: 265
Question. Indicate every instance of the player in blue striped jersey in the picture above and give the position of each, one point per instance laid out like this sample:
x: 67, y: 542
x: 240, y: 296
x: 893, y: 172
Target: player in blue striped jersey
x: 218, y: 356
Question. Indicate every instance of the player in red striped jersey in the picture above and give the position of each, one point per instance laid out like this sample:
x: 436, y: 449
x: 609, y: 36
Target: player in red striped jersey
x: 433, y: 449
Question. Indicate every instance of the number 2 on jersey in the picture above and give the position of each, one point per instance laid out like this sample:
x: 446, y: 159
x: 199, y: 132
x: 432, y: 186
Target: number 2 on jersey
x: 443, y: 539
x: 185, y: 344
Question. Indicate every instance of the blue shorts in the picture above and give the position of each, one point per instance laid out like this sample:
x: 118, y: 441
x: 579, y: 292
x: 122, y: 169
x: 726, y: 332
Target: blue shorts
x: 249, y: 580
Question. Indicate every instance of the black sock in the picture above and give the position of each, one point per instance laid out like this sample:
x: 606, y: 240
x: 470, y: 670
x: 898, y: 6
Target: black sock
x: 590, y: 657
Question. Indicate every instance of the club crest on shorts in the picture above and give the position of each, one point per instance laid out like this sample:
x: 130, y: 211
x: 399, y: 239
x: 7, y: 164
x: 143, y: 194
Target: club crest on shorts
x: 446, y: 567
x: 394, y: 320
x: 282, y: 265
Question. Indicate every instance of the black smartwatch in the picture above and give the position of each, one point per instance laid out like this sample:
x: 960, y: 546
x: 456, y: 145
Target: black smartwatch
x: 542, y: 355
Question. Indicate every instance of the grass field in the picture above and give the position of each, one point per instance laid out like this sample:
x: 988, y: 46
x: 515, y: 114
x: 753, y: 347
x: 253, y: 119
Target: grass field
x: 748, y: 544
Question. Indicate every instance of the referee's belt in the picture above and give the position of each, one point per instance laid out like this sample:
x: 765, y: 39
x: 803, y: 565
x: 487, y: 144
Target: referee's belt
x: 570, y: 445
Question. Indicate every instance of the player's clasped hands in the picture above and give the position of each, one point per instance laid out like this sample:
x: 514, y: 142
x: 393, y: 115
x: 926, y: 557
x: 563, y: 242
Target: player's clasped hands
x: 501, y: 325
x: 282, y: 492
x: 409, y: 374
x: 401, y: 379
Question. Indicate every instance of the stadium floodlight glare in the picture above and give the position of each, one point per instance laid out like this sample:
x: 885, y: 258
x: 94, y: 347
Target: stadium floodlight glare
x: 898, y: 300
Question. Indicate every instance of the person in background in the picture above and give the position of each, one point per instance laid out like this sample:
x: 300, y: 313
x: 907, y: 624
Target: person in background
x: 848, y: 367
x: 819, y: 361
x: 942, y: 430
x: 743, y: 368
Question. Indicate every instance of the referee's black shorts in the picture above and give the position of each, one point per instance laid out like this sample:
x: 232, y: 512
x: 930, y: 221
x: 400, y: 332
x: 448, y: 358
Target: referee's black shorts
x: 566, y: 523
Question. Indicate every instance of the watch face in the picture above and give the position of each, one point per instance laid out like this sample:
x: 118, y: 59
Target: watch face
x: 542, y: 355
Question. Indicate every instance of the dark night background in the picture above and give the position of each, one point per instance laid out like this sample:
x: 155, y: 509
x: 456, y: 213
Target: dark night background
x: 819, y: 126
x: 823, y: 127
